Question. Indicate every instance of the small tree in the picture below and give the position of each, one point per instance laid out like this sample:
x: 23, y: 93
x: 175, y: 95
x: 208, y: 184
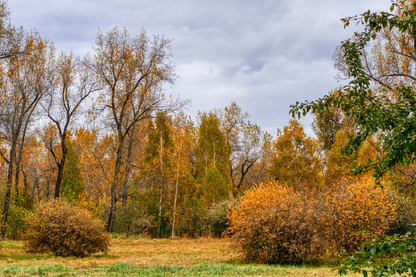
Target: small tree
x: 72, y: 186
x: 296, y: 161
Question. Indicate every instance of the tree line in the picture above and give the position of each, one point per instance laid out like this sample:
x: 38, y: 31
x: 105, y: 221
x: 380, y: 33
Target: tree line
x: 98, y: 131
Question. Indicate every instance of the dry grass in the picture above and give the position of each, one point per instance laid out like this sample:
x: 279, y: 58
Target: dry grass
x: 147, y: 257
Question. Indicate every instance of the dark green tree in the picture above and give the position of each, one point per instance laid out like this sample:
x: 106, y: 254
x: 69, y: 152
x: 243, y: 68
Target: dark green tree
x: 72, y: 186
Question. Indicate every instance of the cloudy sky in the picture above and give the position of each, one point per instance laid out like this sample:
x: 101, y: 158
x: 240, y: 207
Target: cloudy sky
x: 263, y: 54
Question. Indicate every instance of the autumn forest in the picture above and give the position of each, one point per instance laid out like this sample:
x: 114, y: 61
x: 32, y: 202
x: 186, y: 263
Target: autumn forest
x: 97, y: 134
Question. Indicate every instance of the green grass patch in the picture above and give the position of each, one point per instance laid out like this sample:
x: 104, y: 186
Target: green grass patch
x: 127, y: 269
x: 11, y: 244
x: 24, y: 257
x: 34, y: 270
x: 203, y: 269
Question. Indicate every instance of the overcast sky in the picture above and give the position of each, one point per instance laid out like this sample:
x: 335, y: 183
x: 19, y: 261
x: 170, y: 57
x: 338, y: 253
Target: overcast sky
x: 263, y: 54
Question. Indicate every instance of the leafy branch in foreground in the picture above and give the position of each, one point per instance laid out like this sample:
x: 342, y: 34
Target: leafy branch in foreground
x: 381, y: 257
x: 380, y: 97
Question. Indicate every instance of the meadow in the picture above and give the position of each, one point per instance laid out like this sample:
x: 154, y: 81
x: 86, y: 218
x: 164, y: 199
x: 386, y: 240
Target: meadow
x: 148, y: 257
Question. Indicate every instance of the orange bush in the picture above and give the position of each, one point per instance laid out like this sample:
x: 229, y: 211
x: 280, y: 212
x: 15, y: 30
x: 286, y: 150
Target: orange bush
x: 356, y: 212
x: 273, y: 223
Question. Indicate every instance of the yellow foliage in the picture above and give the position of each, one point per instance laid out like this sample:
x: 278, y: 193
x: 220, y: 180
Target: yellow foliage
x: 356, y: 212
x: 296, y: 160
x: 274, y: 223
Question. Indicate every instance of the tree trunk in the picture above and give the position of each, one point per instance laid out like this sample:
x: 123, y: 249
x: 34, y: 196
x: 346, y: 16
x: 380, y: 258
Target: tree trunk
x: 161, y: 183
x: 61, y: 167
x: 8, y: 189
x: 126, y: 181
x: 160, y: 213
x: 176, y: 193
x: 113, y: 190
x: 18, y: 160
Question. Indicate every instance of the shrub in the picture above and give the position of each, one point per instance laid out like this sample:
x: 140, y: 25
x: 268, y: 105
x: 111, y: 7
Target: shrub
x: 216, y: 220
x: 16, y: 224
x: 58, y: 227
x: 406, y: 215
x: 273, y: 224
x: 140, y: 226
x: 356, y: 212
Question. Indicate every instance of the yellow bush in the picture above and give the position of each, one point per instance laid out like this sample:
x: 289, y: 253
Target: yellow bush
x: 356, y: 212
x: 58, y: 227
x: 274, y: 223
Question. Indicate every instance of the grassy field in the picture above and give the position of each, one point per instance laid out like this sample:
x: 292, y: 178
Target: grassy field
x: 147, y: 257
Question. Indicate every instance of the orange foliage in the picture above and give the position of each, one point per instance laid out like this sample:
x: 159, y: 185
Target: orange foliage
x: 274, y: 223
x: 296, y: 161
x: 355, y: 213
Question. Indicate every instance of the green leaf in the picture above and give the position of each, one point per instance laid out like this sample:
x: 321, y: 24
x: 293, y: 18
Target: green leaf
x: 403, y: 247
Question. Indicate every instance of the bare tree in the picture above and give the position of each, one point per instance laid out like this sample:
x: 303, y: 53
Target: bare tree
x: 243, y: 139
x: 132, y: 71
x: 23, y: 84
x: 72, y: 84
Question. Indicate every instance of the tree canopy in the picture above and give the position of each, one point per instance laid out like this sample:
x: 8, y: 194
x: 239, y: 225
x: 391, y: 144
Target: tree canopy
x: 379, y: 63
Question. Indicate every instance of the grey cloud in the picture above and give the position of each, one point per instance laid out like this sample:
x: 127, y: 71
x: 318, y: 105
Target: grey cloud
x: 263, y: 54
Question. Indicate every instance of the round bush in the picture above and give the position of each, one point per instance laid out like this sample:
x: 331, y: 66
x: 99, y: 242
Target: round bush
x: 274, y: 224
x: 58, y: 227
x: 356, y: 212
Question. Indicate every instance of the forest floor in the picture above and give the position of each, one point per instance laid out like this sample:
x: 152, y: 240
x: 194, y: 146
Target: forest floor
x: 148, y: 257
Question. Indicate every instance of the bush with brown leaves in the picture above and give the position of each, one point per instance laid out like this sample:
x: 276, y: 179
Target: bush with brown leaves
x: 65, y: 230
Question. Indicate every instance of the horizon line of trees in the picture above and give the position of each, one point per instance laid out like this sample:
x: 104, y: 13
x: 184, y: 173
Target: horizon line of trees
x: 98, y: 131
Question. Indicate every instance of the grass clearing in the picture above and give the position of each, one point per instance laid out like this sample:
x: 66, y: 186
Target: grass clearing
x: 148, y: 257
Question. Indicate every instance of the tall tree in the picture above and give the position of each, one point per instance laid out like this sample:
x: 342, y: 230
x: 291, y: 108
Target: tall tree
x: 12, y: 40
x: 160, y: 164
x: 73, y: 82
x: 23, y: 85
x: 212, y: 160
x: 132, y: 71
x: 244, y: 141
x: 327, y: 123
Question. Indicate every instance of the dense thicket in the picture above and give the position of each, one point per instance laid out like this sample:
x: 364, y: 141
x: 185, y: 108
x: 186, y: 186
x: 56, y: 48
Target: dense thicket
x: 275, y: 223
